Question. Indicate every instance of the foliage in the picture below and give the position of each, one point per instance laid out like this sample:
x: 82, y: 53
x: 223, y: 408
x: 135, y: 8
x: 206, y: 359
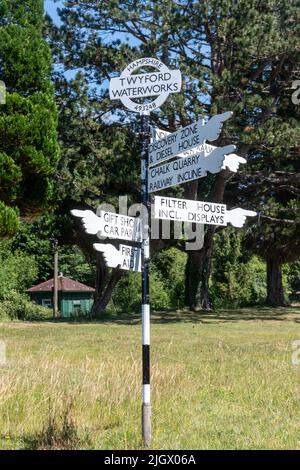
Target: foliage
x: 244, y: 62
x: 170, y: 264
x: 28, y: 120
x: 166, y: 284
x: 36, y: 238
x: 232, y: 56
x: 18, y: 271
x: 238, y: 279
x: 294, y: 279
x: 9, y: 221
x: 17, y: 306
x: 127, y: 295
x: 159, y: 293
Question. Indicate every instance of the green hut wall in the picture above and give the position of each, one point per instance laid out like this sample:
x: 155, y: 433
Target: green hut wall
x: 70, y: 304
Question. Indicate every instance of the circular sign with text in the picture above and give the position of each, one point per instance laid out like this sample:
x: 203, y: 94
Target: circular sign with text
x: 159, y: 84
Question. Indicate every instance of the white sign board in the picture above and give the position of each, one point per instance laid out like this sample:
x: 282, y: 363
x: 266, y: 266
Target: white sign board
x: 126, y: 257
x: 186, y: 138
x: 130, y: 86
x: 111, y: 225
x: 231, y: 161
x: 184, y: 210
x: 186, y: 169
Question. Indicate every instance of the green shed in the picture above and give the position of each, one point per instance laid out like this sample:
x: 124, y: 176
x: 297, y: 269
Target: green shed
x: 74, y: 298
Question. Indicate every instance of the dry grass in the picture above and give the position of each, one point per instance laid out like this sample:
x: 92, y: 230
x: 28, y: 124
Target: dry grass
x: 222, y: 381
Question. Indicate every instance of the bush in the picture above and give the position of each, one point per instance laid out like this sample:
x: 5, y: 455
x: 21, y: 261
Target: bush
x: 17, y: 273
x: 127, y: 295
x: 18, y: 307
x: 237, y: 279
x: 17, y: 270
x: 166, y: 284
x: 294, y: 279
x: 171, y: 266
x: 159, y: 292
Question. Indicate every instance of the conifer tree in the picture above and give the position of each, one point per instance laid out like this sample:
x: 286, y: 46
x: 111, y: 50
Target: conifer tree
x: 234, y: 56
x: 28, y: 120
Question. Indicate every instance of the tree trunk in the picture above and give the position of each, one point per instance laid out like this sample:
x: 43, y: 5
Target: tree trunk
x: 103, y: 296
x: 105, y: 281
x: 275, y: 294
x: 197, y: 274
x: 198, y: 267
x: 193, y: 272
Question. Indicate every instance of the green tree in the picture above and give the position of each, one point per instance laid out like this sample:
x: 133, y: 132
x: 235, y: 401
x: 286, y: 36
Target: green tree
x: 99, y: 164
x: 37, y: 238
x: 18, y: 270
x: 271, y: 183
x: 254, y: 59
x: 233, y: 57
x: 98, y: 131
x: 28, y: 120
x: 294, y: 279
x: 237, y: 279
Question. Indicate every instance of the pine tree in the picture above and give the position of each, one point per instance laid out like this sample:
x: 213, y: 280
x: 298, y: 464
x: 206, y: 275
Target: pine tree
x: 234, y: 56
x: 271, y: 182
x: 98, y: 163
x: 28, y: 120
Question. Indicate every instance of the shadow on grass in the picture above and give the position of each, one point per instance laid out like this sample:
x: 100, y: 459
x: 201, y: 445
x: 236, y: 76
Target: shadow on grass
x: 186, y: 316
x: 35, y: 442
x: 60, y: 431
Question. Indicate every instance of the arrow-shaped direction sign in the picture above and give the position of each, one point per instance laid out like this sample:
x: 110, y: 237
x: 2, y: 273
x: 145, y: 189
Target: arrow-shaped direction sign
x: 186, y: 138
x: 111, y: 225
x: 184, y: 210
x: 187, y: 169
x: 126, y: 257
x: 231, y: 161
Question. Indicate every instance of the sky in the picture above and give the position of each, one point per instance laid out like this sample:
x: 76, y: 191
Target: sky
x: 51, y: 8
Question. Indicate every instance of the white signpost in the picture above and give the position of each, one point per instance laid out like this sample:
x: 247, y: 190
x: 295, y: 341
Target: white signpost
x: 110, y: 225
x: 187, y: 138
x: 130, y: 86
x: 187, y: 169
x: 127, y: 257
x: 196, y: 158
x: 231, y: 161
x: 184, y: 210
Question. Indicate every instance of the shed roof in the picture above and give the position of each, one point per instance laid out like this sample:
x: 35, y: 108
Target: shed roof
x: 65, y: 284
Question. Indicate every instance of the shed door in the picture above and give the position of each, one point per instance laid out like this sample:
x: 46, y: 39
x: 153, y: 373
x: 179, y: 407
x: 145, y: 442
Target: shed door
x: 76, y: 307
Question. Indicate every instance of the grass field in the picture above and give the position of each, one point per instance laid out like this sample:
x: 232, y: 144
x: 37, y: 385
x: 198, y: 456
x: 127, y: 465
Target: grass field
x: 220, y: 381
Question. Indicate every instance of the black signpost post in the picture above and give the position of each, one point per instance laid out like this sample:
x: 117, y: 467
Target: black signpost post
x: 146, y: 218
